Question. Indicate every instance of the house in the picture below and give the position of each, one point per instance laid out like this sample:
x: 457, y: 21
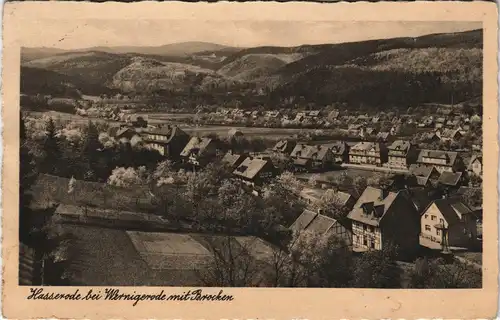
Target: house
x: 284, y: 147
x: 382, y: 136
x: 314, y: 197
x: 453, y: 123
x: 370, y: 153
x: 449, y: 134
x: 312, y: 156
x: 316, y: 223
x: 439, y: 123
x: 476, y: 165
x: 199, y: 151
x: 400, y: 154
x: 234, y: 133
x: 233, y: 160
x: 431, y: 136
x: 272, y: 114
x: 254, y: 172
x: 300, y: 116
x: 333, y: 115
x: 380, y: 217
x: 442, y: 160
x: 125, y: 132
x: 168, y: 140
x: 371, y: 131
x: 313, y: 113
x: 424, y: 174
x: 451, y: 179
x: 340, y: 152
x: 448, y: 222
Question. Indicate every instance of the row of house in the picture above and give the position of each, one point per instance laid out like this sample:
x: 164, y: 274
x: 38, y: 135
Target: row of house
x: 381, y: 216
x: 399, y: 155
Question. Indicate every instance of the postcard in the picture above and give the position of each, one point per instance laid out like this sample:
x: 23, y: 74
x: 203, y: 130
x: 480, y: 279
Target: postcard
x: 250, y: 160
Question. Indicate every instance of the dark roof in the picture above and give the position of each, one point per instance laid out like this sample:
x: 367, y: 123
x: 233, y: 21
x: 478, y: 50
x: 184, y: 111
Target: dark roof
x: 338, y: 148
x: 196, y: 144
x: 303, y: 220
x: 171, y: 132
x: 399, y: 145
x: 450, y: 178
x: 452, y: 209
x: 474, y: 158
x: 422, y: 173
x: 233, y: 159
x: 363, y: 147
x: 316, y: 152
x: 250, y: 167
x: 450, y: 156
x: 372, y: 199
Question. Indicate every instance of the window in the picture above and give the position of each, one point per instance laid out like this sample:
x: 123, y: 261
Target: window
x: 426, y: 216
x: 364, y: 227
x: 372, y: 244
x: 372, y: 229
x: 433, y: 217
x: 427, y: 227
x: 438, y: 232
x: 364, y: 242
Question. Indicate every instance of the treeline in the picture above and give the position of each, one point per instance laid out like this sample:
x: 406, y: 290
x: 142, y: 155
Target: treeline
x: 360, y: 87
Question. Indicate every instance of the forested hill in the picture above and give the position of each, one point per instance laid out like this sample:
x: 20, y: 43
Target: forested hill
x: 438, y: 68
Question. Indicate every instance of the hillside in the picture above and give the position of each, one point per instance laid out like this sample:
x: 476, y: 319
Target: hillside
x: 94, y: 66
x: 28, y: 54
x: 147, y: 75
x: 398, y: 72
x: 40, y: 81
x: 252, y: 66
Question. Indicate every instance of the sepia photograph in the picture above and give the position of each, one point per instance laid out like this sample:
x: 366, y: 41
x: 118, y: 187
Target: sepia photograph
x: 268, y: 157
x: 251, y: 160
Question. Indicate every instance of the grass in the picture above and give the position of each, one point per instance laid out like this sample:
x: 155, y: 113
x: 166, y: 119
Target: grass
x: 52, y: 189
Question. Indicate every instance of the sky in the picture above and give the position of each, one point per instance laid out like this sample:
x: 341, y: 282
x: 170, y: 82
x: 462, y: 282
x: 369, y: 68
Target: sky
x: 67, y: 34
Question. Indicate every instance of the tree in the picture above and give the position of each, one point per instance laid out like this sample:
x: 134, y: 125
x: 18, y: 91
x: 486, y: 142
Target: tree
x: 126, y: 177
x: 473, y: 197
x: 438, y: 274
x: 231, y: 264
x: 325, y: 259
x: 377, y: 269
x: 51, y: 149
x: 27, y: 176
x: 90, y: 153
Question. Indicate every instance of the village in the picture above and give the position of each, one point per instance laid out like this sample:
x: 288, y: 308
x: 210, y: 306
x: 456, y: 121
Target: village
x: 372, y: 191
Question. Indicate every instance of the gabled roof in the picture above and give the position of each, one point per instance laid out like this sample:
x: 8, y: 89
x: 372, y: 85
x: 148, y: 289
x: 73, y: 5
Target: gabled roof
x: 197, y: 145
x: 123, y: 130
x: 399, y: 145
x: 232, y: 159
x: 313, y: 222
x: 452, y: 209
x: 450, y: 156
x: 422, y: 173
x: 450, y: 178
x: 449, y: 133
x: 313, y: 152
x: 171, y: 132
x: 338, y: 148
x: 282, y: 145
x: 383, y: 135
x: 362, y: 147
x: 250, y: 167
x: 372, y: 199
x: 475, y: 158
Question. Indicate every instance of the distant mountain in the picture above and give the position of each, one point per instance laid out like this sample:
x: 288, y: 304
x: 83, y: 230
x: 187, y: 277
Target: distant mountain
x: 28, y: 54
x: 401, y: 71
x: 181, y: 49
